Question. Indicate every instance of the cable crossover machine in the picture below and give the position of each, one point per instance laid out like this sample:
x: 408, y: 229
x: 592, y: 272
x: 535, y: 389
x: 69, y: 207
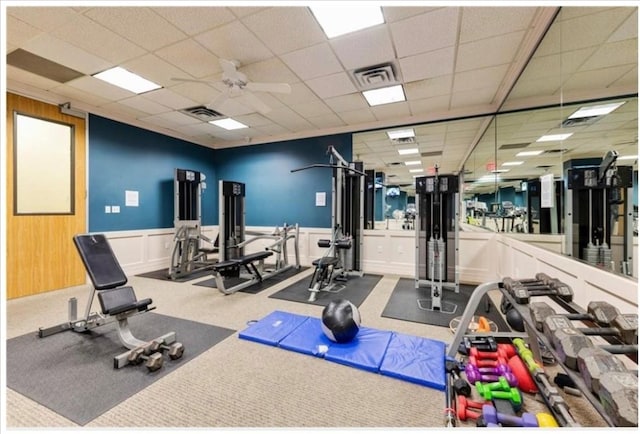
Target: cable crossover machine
x: 189, y: 253
x: 343, y: 255
x: 437, y: 239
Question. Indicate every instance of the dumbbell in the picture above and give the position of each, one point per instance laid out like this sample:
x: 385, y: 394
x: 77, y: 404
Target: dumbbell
x: 513, y: 394
x: 624, y: 326
x: 153, y: 361
x: 460, y: 386
x: 503, y: 352
x: 174, y: 350
x: 594, y: 362
x: 490, y: 415
x: 486, y: 363
x: 462, y: 408
x: 522, y: 293
x: 473, y: 375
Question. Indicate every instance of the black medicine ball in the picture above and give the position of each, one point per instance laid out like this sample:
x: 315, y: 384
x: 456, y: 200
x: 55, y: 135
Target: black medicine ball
x: 515, y: 320
x: 340, y: 320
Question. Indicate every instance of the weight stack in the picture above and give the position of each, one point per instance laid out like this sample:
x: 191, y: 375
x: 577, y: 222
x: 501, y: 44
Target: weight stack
x: 438, y: 266
x: 605, y: 255
x: 591, y: 254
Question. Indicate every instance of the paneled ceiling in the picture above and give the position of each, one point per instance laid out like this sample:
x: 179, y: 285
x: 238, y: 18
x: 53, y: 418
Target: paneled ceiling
x: 455, y: 63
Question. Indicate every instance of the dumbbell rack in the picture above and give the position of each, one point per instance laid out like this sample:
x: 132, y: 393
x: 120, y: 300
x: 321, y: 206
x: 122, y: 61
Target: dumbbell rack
x: 531, y: 335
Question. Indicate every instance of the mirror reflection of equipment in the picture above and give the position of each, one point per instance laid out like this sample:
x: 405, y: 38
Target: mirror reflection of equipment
x: 342, y: 258
x: 437, y: 239
x: 588, y: 233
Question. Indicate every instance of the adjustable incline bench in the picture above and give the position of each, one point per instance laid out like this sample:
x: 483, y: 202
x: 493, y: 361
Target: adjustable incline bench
x: 231, y: 268
x: 118, y: 303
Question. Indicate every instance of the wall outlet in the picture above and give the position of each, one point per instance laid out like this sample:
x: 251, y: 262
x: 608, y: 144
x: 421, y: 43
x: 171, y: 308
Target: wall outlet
x: 115, y: 209
x: 107, y: 209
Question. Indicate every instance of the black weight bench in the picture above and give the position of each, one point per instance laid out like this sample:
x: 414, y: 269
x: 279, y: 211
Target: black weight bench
x: 231, y: 269
x: 117, y: 302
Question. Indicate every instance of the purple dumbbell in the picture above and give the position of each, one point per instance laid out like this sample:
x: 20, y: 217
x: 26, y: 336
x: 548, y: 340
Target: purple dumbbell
x: 491, y: 415
x: 496, y: 370
x: 473, y: 375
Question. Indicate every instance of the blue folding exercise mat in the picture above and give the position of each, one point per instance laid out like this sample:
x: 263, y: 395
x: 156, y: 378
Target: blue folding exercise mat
x: 415, y: 359
x: 405, y: 357
x: 271, y: 329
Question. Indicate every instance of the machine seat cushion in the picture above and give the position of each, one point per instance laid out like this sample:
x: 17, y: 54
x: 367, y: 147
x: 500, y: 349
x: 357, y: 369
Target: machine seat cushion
x: 225, y: 265
x: 118, y: 300
x: 325, y: 261
x: 253, y: 257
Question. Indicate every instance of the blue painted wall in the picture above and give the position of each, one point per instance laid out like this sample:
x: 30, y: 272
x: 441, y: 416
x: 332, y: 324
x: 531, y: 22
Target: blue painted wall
x: 123, y: 157
x: 274, y: 195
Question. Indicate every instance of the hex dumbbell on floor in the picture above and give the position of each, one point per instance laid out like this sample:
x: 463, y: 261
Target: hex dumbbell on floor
x: 153, y: 361
x: 174, y: 350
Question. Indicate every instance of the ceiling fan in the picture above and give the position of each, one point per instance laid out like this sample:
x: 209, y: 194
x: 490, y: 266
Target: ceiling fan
x: 239, y: 86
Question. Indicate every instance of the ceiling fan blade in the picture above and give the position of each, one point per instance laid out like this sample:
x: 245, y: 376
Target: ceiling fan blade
x: 269, y: 87
x: 255, y: 102
x: 191, y: 80
x: 215, y: 103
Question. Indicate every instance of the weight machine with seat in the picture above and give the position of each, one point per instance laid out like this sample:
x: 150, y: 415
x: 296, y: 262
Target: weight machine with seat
x: 189, y: 254
x: 342, y: 258
x: 234, y: 263
x: 118, y: 304
x: 437, y: 239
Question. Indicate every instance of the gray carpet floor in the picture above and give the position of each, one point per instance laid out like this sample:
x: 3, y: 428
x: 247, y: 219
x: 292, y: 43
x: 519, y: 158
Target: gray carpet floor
x: 238, y: 384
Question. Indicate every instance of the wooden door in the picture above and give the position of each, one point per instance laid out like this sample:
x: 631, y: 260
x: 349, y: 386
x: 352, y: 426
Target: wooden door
x: 41, y: 255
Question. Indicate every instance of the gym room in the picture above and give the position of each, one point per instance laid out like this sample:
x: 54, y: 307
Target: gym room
x: 319, y: 215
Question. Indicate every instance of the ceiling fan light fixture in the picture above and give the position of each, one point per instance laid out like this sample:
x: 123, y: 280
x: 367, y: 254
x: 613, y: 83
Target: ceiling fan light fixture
x: 340, y: 20
x: 228, y: 124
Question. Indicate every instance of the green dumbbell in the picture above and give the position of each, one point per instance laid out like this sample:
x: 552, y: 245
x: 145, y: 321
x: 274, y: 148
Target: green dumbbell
x: 512, y: 394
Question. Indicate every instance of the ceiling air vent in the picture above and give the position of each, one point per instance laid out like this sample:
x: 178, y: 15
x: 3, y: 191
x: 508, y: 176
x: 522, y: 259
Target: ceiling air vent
x: 376, y: 76
x: 579, y: 122
x: 403, y: 141
x: 514, y: 146
x: 202, y: 113
x: 395, y: 163
x: 556, y: 151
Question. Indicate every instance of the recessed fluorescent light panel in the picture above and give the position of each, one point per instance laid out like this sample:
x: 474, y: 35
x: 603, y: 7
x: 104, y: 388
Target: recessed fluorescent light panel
x: 401, y: 134
x: 127, y: 80
x: 554, y: 137
x: 595, y: 110
x: 228, y: 124
x: 500, y: 170
x: 529, y: 153
x: 412, y: 163
x: 512, y: 163
x: 416, y: 170
x: 384, y: 95
x: 627, y: 157
x: 340, y: 20
x: 408, y: 151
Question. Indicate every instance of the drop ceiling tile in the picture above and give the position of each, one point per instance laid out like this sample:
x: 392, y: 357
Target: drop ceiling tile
x: 355, y: 117
x: 628, y: 29
x: 79, y: 96
x: 590, y: 30
x: 65, y: 54
x: 421, y: 106
x: 624, y: 52
x: 169, y: 98
x: 44, y: 18
x: 296, y: 28
x: 289, y: 119
x: 193, y: 20
x: 191, y: 57
x: 171, y: 119
x: 397, y: 13
x: 253, y: 120
x: 329, y: 120
x: 198, y: 92
x: 480, y: 78
x: 311, y: 62
x: 100, y: 88
x: 271, y: 70
x: 312, y: 108
x: 628, y: 79
x: 195, y: 130
x: 485, y: 22
x: 345, y: 103
x: 428, y: 88
x: 601, y: 78
x: 332, y: 85
x: 234, y: 107
x: 26, y: 77
x: 144, y: 105
x: 118, y: 108
x: 97, y: 40
x: 428, y: 65
x: 243, y: 11
x: 394, y: 110
x: 364, y: 48
x: 19, y: 32
x: 273, y: 129
x: 426, y: 32
x: 139, y: 24
x: 300, y: 94
x: 488, y: 52
x: 234, y: 41
x: 154, y: 68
